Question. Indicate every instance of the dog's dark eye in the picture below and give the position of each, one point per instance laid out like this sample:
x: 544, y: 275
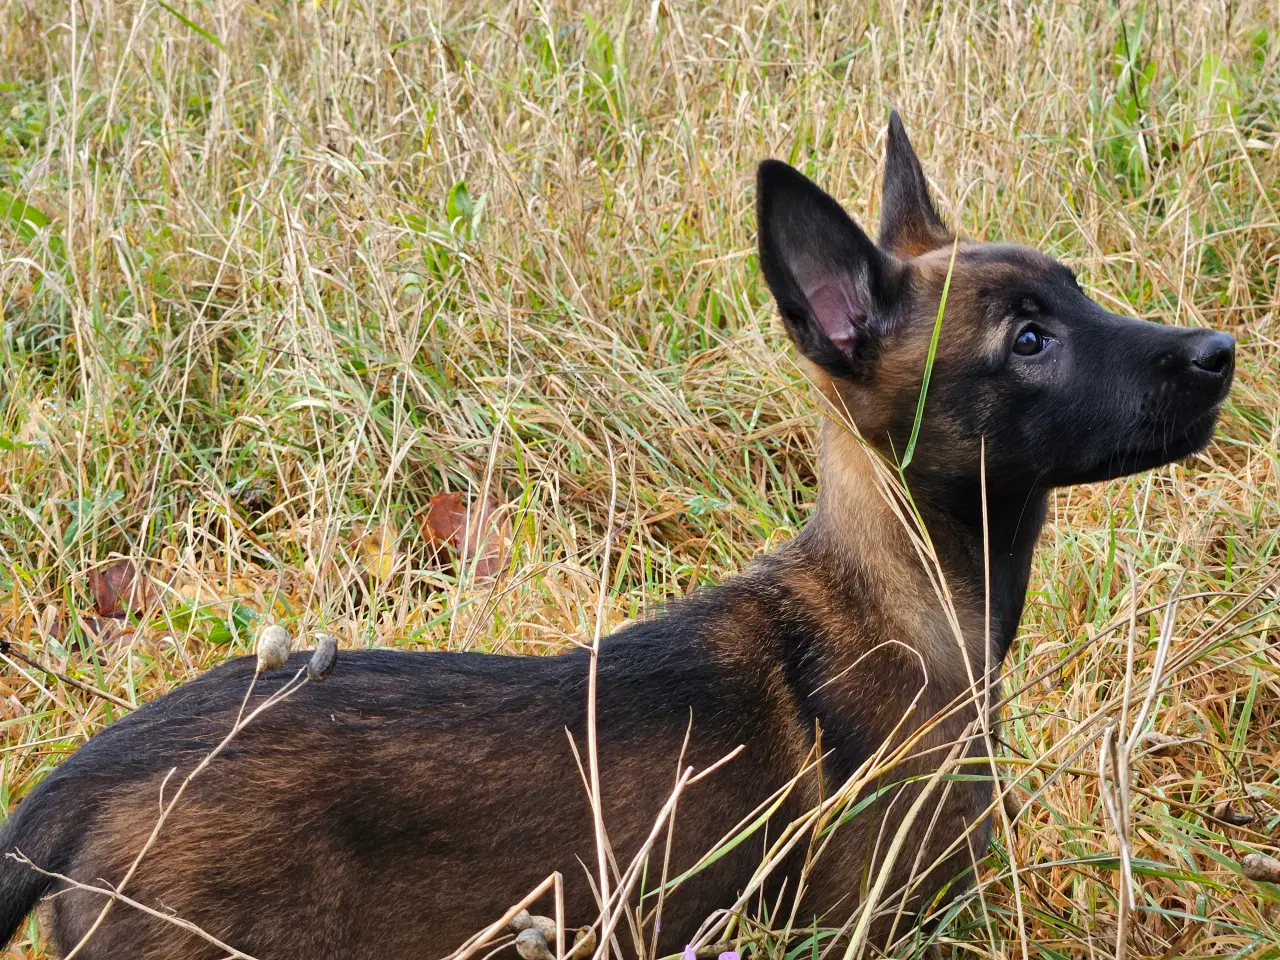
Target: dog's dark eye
x: 1029, y: 342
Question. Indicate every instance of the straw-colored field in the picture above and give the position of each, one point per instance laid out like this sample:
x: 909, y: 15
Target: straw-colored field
x: 273, y: 275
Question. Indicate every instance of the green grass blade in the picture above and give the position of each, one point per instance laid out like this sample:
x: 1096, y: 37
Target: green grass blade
x: 195, y: 27
x: 928, y: 366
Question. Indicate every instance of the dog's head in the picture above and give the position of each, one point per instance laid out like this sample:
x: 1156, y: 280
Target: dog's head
x: 1056, y: 388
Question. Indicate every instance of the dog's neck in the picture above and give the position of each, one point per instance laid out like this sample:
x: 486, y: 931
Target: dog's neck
x: 867, y: 534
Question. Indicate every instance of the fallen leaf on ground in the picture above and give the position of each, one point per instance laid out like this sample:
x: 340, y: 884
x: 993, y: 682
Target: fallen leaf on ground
x: 478, y: 532
x: 378, y: 552
x: 120, y: 588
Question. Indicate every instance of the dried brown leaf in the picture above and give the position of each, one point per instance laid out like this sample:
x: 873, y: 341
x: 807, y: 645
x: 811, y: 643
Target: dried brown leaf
x: 445, y: 521
x: 120, y: 588
x: 478, y: 532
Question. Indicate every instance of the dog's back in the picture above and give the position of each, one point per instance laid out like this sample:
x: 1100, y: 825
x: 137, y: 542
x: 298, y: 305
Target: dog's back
x: 365, y: 817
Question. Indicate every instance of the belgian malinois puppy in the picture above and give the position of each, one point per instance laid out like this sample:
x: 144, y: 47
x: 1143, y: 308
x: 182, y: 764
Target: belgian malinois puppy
x: 394, y: 810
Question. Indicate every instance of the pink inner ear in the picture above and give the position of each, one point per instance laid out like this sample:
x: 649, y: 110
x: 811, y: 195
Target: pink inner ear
x: 834, y: 308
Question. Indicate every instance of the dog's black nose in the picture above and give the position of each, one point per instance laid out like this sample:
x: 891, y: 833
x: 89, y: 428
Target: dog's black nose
x: 1214, y: 353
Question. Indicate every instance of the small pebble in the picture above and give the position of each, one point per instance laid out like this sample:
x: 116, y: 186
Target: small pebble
x: 323, y: 659
x: 584, y: 943
x: 532, y: 945
x: 273, y: 647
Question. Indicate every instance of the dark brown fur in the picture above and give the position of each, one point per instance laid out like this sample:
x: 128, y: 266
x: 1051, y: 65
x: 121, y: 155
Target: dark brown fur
x: 402, y: 805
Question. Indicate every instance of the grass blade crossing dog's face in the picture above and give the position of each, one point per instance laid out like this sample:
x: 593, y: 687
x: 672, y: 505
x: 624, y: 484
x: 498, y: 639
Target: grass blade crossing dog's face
x: 1061, y: 390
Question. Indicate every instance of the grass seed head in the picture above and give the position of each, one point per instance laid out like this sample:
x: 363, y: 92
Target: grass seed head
x: 274, y: 644
x: 322, y: 660
x: 532, y: 945
x: 1226, y: 812
x: 1260, y: 867
x: 520, y: 922
x: 584, y: 943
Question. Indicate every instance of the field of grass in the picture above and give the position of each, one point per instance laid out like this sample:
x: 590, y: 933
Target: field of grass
x: 274, y: 275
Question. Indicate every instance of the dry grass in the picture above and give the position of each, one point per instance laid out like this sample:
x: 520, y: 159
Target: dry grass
x: 309, y: 264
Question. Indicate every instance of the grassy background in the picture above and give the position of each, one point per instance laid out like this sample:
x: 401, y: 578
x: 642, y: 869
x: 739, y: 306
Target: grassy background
x: 272, y: 275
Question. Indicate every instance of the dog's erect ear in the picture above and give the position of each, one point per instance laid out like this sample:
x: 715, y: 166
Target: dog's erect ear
x: 909, y: 222
x: 831, y: 282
